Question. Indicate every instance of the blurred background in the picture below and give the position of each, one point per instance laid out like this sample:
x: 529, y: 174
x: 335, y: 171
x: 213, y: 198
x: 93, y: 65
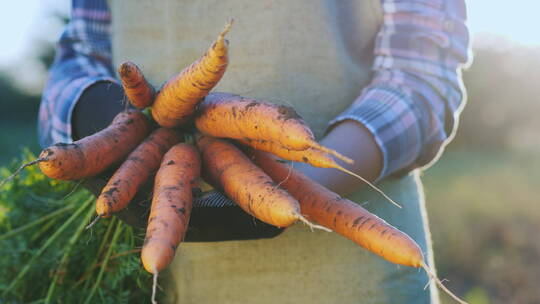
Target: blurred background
x: 483, y: 194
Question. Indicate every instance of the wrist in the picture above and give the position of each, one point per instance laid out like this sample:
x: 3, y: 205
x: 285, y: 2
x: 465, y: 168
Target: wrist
x: 354, y: 140
x: 96, y: 108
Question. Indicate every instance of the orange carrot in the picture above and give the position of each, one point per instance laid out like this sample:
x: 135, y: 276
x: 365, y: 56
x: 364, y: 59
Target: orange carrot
x: 237, y: 117
x: 314, y: 157
x: 171, y: 207
x: 246, y: 184
x: 134, y: 171
x: 341, y: 215
x: 95, y: 153
x: 347, y: 218
x: 137, y: 89
x: 177, y: 99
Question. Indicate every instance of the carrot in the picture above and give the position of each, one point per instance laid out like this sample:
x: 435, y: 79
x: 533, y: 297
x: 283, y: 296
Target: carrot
x: 95, y: 153
x: 310, y: 156
x: 314, y: 157
x: 246, y: 184
x: 342, y: 215
x: 171, y: 207
x: 346, y: 218
x: 177, y: 99
x: 237, y: 117
x: 137, y: 89
x: 134, y: 171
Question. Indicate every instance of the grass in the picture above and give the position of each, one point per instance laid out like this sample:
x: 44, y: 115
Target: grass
x: 485, y: 218
x: 47, y: 255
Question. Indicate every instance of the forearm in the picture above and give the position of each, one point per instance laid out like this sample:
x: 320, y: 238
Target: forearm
x: 406, y: 115
x: 355, y: 141
x: 83, y: 58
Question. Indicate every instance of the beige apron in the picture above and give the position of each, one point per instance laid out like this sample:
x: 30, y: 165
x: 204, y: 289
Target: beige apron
x: 315, y: 56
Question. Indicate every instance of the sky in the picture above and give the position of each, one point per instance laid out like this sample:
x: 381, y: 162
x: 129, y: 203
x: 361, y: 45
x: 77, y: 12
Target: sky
x: 22, y: 23
x: 515, y: 20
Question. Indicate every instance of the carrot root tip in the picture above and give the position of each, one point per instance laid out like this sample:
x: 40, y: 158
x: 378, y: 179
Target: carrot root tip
x: 369, y: 184
x: 310, y: 224
x: 93, y: 222
x: 439, y: 283
x: 335, y: 153
x: 226, y: 29
x: 154, y: 286
x: 20, y: 169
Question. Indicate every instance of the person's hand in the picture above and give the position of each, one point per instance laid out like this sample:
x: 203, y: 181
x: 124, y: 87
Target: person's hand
x: 94, y: 111
x: 213, y: 218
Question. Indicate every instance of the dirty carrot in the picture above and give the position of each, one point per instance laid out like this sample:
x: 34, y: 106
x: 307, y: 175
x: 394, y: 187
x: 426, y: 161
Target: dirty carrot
x: 138, y: 90
x: 95, y: 153
x: 346, y: 217
x: 134, y: 171
x: 314, y: 157
x: 341, y: 215
x: 237, y: 117
x: 171, y: 207
x: 177, y: 99
x: 246, y: 184
x: 92, y: 154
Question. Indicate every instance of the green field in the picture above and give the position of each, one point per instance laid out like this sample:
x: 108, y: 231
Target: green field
x: 485, y: 219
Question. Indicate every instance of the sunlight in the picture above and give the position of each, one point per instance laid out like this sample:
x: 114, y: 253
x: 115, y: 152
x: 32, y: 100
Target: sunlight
x: 515, y: 20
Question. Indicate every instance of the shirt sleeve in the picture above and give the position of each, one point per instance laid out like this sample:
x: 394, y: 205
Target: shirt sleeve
x: 83, y: 58
x: 412, y: 104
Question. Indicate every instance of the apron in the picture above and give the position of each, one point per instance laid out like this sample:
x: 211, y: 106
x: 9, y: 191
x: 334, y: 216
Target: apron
x: 314, y: 56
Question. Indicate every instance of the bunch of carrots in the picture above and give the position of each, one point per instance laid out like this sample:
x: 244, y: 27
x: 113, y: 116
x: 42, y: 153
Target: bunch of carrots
x: 238, y: 147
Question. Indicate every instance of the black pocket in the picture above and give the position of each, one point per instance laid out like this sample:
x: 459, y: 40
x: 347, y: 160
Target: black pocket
x: 216, y: 218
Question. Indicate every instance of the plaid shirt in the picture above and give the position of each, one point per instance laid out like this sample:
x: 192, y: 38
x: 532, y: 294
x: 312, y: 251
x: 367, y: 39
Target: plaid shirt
x: 411, y: 105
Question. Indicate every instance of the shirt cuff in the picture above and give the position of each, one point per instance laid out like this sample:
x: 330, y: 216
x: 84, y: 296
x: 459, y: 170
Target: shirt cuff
x: 87, y: 83
x: 57, y: 109
x: 387, y: 112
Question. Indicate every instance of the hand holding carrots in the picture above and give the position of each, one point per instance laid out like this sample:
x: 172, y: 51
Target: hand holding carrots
x: 264, y: 187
